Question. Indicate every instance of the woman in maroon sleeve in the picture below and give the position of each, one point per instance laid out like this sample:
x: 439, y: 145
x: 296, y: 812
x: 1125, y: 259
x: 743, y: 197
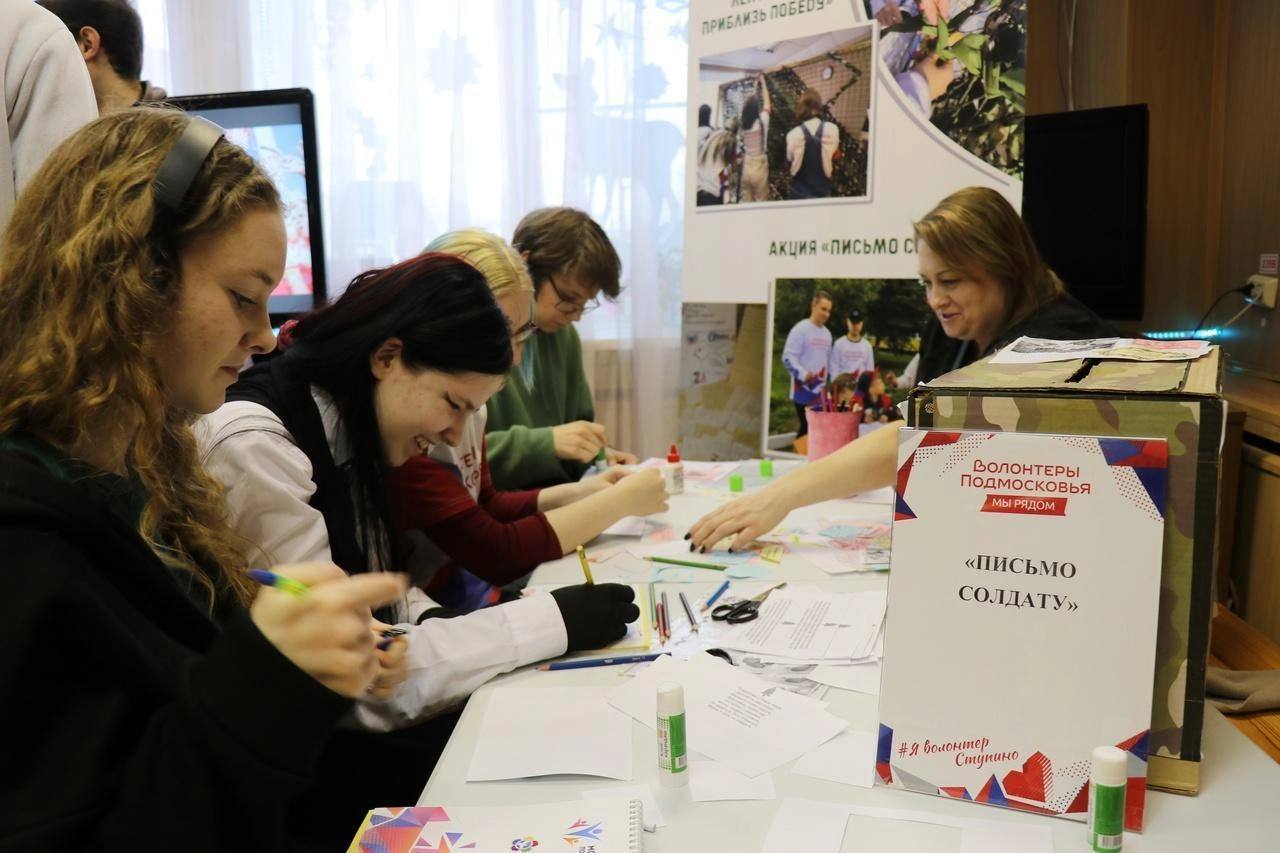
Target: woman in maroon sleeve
x: 470, y: 539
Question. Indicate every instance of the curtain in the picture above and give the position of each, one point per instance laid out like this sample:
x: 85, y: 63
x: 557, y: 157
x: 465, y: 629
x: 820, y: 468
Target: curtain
x: 444, y: 114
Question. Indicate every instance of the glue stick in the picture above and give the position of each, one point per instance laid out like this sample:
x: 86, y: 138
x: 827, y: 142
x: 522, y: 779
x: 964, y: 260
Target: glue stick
x: 601, y: 462
x: 673, y: 472
x: 673, y: 758
x: 1107, y: 781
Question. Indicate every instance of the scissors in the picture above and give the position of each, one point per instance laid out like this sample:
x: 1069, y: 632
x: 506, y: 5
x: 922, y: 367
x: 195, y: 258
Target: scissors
x: 745, y: 610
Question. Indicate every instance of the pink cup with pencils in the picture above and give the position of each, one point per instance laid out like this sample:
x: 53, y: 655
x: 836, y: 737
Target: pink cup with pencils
x: 830, y: 431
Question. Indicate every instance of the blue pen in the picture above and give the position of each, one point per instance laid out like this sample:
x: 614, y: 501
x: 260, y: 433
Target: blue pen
x: 715, y: 595
x: 266, y: 577
x: 583, y: 664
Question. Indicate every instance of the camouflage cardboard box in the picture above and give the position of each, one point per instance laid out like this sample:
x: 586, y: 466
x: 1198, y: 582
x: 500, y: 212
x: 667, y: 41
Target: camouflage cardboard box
x: 1177, y: 401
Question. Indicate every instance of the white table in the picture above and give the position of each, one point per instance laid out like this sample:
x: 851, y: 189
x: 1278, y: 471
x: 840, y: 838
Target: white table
x: 1238, y: 808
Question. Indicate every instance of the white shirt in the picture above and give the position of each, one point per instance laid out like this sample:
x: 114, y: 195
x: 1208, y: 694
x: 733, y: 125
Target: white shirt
x: 795, y: 144
x: 47, y: 93
x: 806, y: 352
x: 268, y: 482
x: 852, y: 357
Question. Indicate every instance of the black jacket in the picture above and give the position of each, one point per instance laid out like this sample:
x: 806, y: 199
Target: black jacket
x: 129, y: 719
x: 1064, y: 319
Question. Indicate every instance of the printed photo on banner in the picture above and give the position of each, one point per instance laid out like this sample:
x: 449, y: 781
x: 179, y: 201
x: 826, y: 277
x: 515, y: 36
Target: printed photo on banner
x: 786, y: 121
x: 961, y: 66
x: 841, y: 358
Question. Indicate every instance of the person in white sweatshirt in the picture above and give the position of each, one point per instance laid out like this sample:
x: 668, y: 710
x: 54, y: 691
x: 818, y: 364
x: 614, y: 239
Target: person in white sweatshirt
x: 47, y: 94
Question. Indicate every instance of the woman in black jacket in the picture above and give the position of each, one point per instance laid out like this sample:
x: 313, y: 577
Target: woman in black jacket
x: 986, y: 286
x: 154, y: 699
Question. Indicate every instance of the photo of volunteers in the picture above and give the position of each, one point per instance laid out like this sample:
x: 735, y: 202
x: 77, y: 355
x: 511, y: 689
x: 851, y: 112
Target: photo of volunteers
x: 788, y: 121
x: 961, y: 65
x: 839, y: 345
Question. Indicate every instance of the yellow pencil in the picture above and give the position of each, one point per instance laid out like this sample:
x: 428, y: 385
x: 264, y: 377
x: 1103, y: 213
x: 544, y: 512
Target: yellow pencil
x: 586, y: 569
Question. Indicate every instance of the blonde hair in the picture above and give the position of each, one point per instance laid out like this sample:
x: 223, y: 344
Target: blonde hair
x: 500, y: 264
x: 979, y: 233
x: 89, y: 283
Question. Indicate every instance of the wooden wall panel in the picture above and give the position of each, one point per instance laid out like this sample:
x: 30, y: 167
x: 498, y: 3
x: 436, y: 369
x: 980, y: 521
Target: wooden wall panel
x: 1171, y: 66
x: 1100, y: 69
x: 1250, y: 220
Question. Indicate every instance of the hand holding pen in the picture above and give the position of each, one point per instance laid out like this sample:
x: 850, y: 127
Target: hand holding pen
x: 391, y: 645
x: 318, y: 618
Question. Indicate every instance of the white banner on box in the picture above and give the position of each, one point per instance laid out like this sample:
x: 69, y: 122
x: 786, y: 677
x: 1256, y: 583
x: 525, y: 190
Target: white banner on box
x: 820, y: 129
x: 1021, y: 633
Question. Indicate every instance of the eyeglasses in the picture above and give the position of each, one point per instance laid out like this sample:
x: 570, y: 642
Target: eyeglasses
x: 577, y: 305
x: 526, y: 331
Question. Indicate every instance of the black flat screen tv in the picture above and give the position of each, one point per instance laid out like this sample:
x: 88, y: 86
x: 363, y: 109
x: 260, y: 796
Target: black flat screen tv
x: 278, y: 128
x: 1084, y: 199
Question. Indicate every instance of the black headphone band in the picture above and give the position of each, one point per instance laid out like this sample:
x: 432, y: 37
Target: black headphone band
x: 183, y: 162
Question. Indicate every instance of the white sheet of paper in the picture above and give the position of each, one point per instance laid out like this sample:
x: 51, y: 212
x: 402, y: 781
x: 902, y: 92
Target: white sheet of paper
x: 836, y: 562
x: 806, y: 825
x: 542, y: 731
x: 807, y: 624
x: 818, y: 827
x: 631, y: 525
x: 848, y: 758
x: 876, y: 496
x: 1028, y: 350
x: 712, y: 780
x: 1006, y: 839
x: 734, y: 717
x: 859, y: 677
x: 653, y: 818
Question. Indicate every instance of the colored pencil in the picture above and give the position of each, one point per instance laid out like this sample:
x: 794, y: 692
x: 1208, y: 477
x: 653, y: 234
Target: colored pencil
x: 583, y: 664
x: 672, y: 561
x: 688, y: 611
x: 653, y: 604
x: 706, y: 605
x: 586, y: 569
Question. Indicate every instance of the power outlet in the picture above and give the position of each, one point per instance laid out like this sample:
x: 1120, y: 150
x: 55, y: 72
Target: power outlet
x: 1264, y: 290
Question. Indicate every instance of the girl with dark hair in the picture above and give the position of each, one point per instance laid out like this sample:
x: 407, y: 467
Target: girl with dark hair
x: 393, y: 367
x: 704, y: 124
x: 811, y: 145
x: 755, y: 136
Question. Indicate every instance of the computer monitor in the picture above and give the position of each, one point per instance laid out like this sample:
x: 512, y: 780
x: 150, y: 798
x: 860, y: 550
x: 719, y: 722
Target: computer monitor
x: 278, y: 128
x: 1084, y: 199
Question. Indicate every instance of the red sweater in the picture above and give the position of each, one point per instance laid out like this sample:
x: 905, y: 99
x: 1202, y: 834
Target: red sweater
x: 498, y: 537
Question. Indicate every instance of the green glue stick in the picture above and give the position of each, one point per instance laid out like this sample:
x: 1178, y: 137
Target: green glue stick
x: 766, y: 467
x: 735, y: 482
x: 601, y: 462
x: 1107, y: 782
x: 673, y: 754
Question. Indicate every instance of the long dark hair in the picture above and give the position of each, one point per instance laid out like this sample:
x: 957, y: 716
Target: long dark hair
x: 442, y: 310
x: 750, y: 112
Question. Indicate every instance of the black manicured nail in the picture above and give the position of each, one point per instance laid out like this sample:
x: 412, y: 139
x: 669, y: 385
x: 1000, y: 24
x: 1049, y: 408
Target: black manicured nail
x: 692, y: 547
x: 688, y: 536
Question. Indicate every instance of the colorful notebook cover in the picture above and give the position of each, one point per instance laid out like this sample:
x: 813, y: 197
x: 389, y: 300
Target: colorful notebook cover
x: 1021, y: 629
x: 577, y: 826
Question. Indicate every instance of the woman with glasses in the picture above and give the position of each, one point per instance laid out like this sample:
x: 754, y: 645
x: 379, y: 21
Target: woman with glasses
x: 542, y: 428
x: 987, y: 285
x: 446, y: 503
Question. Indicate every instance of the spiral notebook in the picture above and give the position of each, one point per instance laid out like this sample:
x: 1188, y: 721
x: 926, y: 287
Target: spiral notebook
x: 576, y: 826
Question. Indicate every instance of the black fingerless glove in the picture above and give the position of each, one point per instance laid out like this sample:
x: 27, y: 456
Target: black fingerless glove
x: 596, y: 615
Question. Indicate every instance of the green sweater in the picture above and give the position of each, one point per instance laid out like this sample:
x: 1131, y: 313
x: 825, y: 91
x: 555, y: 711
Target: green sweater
x: 521, y: 453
